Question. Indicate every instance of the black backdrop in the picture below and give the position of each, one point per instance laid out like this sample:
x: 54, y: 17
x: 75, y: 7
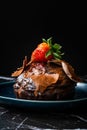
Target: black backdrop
x: 20, y: 35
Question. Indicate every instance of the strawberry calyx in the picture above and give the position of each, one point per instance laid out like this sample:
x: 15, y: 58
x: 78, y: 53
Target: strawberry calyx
x: 46, y: 51
x: 55, y: 49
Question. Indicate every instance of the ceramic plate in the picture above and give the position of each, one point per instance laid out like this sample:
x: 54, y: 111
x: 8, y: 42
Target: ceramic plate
x: 8, y: 98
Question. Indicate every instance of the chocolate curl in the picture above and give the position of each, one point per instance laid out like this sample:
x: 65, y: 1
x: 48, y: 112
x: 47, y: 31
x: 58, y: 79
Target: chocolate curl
x: 43, y: 81
x: 20, y: 70
x: 69, y: 70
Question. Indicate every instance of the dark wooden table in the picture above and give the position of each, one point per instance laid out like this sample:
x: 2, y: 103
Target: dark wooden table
x: 13, y: 118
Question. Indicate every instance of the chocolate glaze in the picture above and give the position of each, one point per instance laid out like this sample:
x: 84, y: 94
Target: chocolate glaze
x: 54, y: 80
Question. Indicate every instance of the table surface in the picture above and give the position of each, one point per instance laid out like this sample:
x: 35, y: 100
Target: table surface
x: 17, y: 119
x: 22, y: 119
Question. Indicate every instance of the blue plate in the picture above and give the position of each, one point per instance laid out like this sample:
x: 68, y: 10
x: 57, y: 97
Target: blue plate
x: 7, y: 97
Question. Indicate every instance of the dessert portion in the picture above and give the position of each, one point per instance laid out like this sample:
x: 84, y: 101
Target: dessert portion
x: 46, y: 76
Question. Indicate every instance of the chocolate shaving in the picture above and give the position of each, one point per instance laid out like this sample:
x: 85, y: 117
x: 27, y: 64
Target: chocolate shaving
x: 43, y: 81
x: 57, y: 62
x: 20, y: 70
x: 69, y: 70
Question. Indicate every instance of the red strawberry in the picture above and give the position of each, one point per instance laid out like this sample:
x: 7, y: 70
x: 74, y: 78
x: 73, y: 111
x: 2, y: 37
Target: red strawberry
x: 39, y: 54
x: 46, y: 51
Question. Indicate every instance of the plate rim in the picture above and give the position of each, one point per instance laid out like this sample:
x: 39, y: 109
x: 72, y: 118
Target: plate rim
x: 38, y: 101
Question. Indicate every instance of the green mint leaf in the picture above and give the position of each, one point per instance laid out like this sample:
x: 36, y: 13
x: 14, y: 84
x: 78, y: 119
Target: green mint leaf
x: 56, y: 47
x: 56, y: 55
x: 62, y: 54
x: 48, y: 53
x: 44, y: 40
x: 49, y: 40
x: 58, y: 51
x: 59, y: 47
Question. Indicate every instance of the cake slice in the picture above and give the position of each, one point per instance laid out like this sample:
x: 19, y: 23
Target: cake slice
x: 46, y: 76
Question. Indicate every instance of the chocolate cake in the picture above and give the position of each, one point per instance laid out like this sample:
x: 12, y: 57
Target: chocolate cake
x: 45, y: 79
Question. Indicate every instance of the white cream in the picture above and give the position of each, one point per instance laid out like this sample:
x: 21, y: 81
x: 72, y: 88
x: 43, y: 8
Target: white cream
x: 20, y: 78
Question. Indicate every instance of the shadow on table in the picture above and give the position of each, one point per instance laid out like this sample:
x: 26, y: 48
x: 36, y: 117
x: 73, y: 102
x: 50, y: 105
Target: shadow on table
x: 78, y: 109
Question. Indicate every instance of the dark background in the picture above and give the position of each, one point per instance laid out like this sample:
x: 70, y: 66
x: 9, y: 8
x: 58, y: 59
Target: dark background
x: 23, y: 28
